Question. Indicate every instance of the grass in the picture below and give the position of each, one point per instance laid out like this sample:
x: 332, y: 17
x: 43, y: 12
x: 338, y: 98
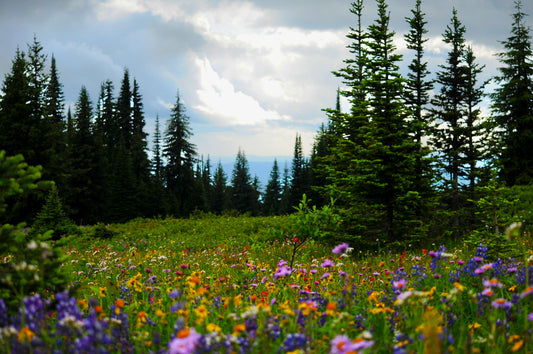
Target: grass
x: 222, y: 284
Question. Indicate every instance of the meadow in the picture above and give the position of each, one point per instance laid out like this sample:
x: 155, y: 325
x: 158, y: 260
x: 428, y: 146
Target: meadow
x: 226, y: 285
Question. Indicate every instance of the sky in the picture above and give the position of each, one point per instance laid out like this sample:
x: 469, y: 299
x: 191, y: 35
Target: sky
x: 252, y: 74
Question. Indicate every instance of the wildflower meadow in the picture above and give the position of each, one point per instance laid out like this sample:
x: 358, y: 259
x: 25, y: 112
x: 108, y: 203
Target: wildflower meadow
x: 221, y: 285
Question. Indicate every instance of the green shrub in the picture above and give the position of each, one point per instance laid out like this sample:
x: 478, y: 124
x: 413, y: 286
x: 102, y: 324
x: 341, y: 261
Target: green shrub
x: 53, y: 217
x: 30, y: 265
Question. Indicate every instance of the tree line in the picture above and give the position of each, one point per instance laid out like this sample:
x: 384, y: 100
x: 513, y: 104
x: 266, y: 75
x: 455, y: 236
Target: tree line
x: 401, y: 164
x: 97, y: 154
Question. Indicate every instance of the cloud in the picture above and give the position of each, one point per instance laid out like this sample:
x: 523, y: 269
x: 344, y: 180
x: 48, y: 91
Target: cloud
x: 113, y: 9
x: 224, y: 105
x: 274, y: 141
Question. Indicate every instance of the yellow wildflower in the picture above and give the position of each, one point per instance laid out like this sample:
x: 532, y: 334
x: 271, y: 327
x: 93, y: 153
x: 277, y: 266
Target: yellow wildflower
x: 211, y: 327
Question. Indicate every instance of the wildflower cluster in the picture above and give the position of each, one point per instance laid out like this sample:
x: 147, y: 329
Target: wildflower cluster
x: 154, y: 295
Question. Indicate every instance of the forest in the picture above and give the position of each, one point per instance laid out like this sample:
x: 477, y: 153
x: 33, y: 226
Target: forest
x: 400, y: 166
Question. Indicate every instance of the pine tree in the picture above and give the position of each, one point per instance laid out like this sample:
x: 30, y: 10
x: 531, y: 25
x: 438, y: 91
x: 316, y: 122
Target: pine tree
x: 448, y: 133
x: 53, y: 217
x: 206, y: 181
x: 139, y: 156
x: 243, y: 198
x: 417, y: 88
x: 475, y: 129
x: 124, y: 110
x: 80, y: 194
x: 220, y: 197
x: 54, y: 137
x: 180, y: 155
x: 157, y: 163
x: 272, y: 200
x: 513, y: 102
x: 299, y: 173
x: 106, y: 126
x: 285, y: 207
x: 15, y: 114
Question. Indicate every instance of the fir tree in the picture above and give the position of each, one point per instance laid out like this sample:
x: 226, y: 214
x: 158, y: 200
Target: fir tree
x: 180, y: 155
x: 299, y: 173
x: 80, y: 194
x: 417, y: 88
x: 157, y: 163
x: 513, y: 102
x: 124, y: 110
x: 243, y: 196
x: 448, y: 133
x: 272, y: 200
x: 54, y: 137
x: 220, y: 197
x: 475, y: 129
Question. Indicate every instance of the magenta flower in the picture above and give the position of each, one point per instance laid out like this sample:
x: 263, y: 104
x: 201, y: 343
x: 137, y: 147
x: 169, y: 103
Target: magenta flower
x: 530, y: 317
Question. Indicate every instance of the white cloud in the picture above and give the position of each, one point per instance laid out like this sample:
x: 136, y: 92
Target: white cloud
x: 113, y: 9
x: 274, y: 141
x: 223, y: 104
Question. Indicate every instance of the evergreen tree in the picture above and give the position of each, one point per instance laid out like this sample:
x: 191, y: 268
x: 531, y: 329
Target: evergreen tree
x: 124, y: 110
x: 80, y: 194
x: 285, y: 206
x: 53, y: 217
x: 370, y: 171
x: 21, y: 125
x: 180, y: 155
x: 220, y: 197
x: 106, y: 126
x: 299, y: 173
x: 206, y: 181
x: 54, y: 137
x: 157, y: 164
x: 417, y: 88
x: 139, y: 156
x: 448, y: 133
x: 475, y: 132
x: 15, y: 114
x: 513, y: 102
x: 272, y: 200
x: 243, y: 196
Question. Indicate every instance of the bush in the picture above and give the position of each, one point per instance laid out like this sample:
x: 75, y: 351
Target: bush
x: 30, y: 265
x: 53, y: 217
